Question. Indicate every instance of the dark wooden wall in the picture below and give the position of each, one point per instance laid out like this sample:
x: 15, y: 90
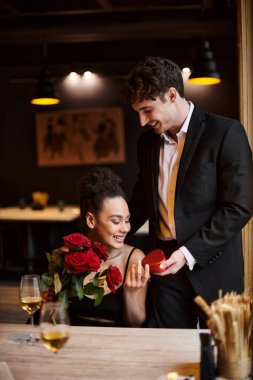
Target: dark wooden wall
x: 20, y: 175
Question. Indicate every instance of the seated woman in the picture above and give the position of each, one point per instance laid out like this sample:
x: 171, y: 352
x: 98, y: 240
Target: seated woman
x: 105, y: 218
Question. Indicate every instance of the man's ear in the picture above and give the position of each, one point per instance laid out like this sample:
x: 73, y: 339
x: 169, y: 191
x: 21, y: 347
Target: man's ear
x: 171, y: 94
x: 90, y: 220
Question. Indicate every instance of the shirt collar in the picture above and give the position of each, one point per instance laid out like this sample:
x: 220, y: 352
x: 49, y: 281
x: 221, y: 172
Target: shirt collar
x: 187, y: 120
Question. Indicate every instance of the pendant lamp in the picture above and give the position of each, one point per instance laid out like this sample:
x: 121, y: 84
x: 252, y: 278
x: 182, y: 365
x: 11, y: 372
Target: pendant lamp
x: 205, y: 69
x: 45, y: 93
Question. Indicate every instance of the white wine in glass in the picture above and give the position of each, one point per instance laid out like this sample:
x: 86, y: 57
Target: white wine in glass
x: 54, y: 326
x: 30, y: 299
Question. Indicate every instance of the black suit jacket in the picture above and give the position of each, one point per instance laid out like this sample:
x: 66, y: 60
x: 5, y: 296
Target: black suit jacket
x: 213, y: 199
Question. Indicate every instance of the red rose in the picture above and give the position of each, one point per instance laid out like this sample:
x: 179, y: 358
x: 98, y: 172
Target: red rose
x: 93, y: 261
x: 78, y: 240
x: 100, y: 250
x: 76, y: 262
x: 113, y: 277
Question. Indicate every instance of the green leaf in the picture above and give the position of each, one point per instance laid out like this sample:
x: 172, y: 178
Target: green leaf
x: 103, y: 273
x: 72, y: 293
x: 57, y: 256
x: 98, y: 296
x: 48, y: 256
x: 56, y: 261
x: 77, y: 284
x: 57, y: 283
x: 53, y: 268
x: 46, y: 281
x: 89, y: 289
x: 95, y: 282
x: 65, y: 280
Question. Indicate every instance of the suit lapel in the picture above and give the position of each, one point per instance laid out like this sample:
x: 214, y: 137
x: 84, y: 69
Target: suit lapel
x: 155, y: 169
x: 195, y: 130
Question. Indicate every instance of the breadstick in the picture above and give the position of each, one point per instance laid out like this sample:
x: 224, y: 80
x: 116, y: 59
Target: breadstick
x: 203, y: 305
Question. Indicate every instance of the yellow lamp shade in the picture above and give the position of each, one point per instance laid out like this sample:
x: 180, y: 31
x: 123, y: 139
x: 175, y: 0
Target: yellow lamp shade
x: 45, y: 92
x: 45, y: 101
x: 204, y: 71
x: 204, y: 81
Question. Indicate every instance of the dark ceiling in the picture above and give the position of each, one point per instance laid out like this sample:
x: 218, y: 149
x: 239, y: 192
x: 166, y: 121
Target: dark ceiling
x: 110, y: 31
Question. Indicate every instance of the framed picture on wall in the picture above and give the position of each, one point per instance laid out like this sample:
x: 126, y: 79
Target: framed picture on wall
x: 80, y: 137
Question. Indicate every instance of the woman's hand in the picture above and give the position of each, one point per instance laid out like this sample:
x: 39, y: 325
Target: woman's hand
x: 135, y: 289
x: 137, y: 276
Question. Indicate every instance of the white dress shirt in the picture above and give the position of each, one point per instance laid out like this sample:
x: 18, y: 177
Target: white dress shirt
x: 170, y: 155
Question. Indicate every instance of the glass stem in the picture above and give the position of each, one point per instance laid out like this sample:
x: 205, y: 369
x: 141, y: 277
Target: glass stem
x: 32, y: 327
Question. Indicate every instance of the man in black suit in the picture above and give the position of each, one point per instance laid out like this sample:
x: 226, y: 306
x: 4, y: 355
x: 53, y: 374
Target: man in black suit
x: 194, y: 186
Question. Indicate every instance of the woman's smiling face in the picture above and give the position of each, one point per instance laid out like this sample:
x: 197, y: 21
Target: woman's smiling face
x: 112, y: 223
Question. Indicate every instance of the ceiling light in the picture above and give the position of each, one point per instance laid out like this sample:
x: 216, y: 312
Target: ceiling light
x: 87, y: 75
x: 45, y: 92
x: 205, y: 69
x: 73, y: 76
x: 186, y: 70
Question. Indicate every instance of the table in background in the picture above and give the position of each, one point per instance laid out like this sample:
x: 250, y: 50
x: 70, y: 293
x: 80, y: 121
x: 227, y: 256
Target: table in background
x: 103, y: 353
x: 27, y: 216
x: 48, y: 214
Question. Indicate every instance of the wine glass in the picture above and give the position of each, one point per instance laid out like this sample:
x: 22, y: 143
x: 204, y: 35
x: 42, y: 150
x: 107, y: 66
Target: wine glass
x: 54, y: 326
x: 30, y: 299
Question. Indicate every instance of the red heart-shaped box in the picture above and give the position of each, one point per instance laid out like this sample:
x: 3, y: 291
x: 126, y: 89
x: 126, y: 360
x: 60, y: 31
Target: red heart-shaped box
x: 154, y: 259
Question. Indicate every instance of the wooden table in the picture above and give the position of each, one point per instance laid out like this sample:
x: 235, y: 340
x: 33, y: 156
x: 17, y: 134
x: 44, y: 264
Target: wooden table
x: 27, y: 217
x: 103, y: 353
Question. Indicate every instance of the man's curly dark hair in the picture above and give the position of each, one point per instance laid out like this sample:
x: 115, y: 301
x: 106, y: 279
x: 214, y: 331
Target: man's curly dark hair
x: 152, y: 78
x: 97, y: 184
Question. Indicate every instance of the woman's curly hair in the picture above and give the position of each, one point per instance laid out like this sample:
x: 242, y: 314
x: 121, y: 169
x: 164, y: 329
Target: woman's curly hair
x: 97, y: 184
x: 152, y: 78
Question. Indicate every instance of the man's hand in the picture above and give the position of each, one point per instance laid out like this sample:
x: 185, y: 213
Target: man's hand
x: 173, y: 264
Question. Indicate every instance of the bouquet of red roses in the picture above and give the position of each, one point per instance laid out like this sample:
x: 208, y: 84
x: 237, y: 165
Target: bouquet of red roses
x: 69, y: 265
